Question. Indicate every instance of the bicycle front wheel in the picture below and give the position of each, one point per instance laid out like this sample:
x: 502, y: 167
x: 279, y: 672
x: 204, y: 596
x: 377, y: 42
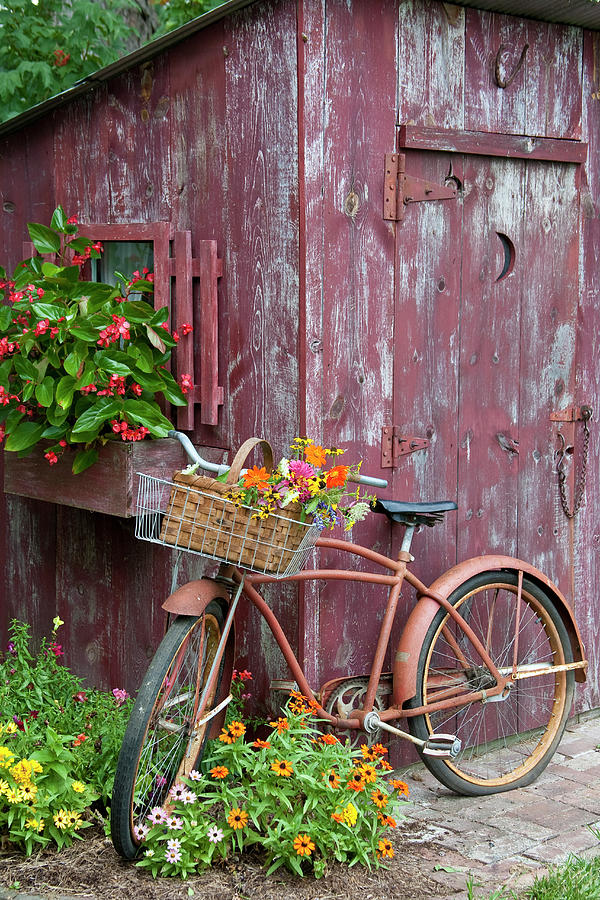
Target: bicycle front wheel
x: 162, y: 741
x: 506, y: 741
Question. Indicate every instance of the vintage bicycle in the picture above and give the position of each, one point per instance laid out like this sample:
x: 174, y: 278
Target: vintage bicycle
x: 484, y: 671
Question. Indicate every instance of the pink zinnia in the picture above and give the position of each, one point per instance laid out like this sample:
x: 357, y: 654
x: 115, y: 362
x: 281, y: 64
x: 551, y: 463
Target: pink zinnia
x: 301, y: 469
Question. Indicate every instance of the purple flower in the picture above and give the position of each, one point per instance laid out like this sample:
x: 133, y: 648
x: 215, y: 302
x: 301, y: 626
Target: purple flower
x: 120, y: 696
x: 11, y: 648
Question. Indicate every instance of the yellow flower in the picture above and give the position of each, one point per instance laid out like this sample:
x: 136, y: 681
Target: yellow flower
x: 4, y: 786
x: 78, y: 787
x: 35, y: 766
x: 7, y: 757
x: 35, y: 824
x: 237, y: 818
x: 29, y: 792
x: 57, y: 622
x: 21, y: 772
x: 10, y: 728
x: 282, y: 767
x: 62, y: 819
x: 14, y: 796
x: 74, y: 818
x: 350, y: 814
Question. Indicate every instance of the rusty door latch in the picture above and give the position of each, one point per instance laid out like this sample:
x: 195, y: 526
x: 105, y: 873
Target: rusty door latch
x: 394, y: 445
x: 567, y: 449
x: 400, y: 188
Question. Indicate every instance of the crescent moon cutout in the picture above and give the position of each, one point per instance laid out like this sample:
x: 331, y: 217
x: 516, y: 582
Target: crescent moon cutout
x: 509, y: 256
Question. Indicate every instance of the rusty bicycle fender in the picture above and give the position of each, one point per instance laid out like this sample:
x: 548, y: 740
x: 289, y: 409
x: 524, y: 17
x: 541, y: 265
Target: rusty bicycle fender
x: 191, y: 599
x: 421, y: 617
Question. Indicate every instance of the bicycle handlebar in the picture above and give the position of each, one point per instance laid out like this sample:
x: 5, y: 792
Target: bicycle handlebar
x: 219, y: 469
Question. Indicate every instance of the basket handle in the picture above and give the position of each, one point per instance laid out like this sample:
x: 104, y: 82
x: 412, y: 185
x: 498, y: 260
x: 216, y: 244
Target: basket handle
x: 233, y: 476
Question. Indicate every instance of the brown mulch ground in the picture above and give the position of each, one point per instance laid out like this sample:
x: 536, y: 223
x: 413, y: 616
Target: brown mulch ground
x: 91, y: 868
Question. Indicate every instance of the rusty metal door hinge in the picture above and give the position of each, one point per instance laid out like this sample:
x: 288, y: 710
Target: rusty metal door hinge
x: 394, y: 445
x: 400, y: 188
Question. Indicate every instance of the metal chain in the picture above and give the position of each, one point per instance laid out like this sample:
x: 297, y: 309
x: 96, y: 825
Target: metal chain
x: 586, y: 413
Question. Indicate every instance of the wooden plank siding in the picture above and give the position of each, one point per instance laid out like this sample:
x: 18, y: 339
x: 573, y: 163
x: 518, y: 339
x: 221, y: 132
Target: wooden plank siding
x: 266, y: 132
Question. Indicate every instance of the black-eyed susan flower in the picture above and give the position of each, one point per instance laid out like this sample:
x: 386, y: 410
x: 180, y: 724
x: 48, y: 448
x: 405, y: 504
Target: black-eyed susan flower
x: 303, y: 845
x: 282, y: 767
x: 237, y: 818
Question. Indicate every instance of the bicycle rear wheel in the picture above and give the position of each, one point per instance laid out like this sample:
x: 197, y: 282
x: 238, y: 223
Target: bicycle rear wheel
x: 161, y: 744
x: 506, y: 742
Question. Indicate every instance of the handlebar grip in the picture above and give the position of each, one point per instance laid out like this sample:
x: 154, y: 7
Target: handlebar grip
x: 369, y: 480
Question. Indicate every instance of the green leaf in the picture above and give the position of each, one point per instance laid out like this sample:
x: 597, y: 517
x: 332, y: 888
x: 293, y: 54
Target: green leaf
x: 6, y: 315
x: 83, y: 460
x: 160, y: 316
x: 44, y: 392
x: 65, y: 390
x: 24, y: 436
x: 114, y: 361
x: 96, y: 415
x: 59, y: 219
x: 149, y: 415
x: 56, y: 415
x: 50, y: 269
x: 25, y: 369
x: 74, y: 362
x: 155, y: 339
x: 143, y: 355
x: 85, y: 333
x: 137, y: 311
x: 51, y: 311
x: 45, y: 240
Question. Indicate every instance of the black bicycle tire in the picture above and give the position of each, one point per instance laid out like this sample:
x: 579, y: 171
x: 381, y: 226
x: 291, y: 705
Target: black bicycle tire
x: 134, y: 739
x: 444, y: 770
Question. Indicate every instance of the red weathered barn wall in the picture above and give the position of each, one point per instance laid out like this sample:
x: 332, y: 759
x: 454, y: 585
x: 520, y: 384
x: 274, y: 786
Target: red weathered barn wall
x: 266, y: 131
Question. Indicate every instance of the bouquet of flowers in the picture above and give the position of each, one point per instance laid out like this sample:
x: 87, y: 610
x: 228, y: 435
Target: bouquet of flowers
x: 306, y: 480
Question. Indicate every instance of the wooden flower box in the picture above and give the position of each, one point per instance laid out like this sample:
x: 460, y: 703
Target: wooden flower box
x: 109, y: 486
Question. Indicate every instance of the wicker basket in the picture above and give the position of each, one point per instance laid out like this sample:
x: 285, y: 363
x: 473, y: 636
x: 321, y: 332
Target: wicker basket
x: 198, y: 517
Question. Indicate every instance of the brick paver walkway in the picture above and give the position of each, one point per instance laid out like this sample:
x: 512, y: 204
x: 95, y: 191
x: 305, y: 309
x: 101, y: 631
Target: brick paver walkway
x: 509, y: 838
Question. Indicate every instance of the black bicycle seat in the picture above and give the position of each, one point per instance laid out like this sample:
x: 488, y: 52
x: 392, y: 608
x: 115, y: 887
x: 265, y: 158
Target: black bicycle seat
x: 414, y: 513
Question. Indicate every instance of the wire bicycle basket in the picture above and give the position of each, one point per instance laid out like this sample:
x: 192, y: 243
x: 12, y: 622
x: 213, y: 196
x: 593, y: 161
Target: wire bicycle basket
x: 191, y: 513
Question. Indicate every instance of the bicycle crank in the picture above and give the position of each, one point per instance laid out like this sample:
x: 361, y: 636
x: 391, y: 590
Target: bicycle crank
x: 441, y: 745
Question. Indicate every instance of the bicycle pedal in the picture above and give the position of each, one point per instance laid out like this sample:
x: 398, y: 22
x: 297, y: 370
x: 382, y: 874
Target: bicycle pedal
x: 442, y: 745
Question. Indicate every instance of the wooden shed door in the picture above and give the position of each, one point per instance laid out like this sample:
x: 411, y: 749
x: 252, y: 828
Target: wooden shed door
x: 487, y: 289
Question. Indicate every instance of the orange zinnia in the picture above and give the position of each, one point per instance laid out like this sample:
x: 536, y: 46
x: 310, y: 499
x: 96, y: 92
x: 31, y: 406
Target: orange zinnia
x: 385, y: 849
x: 282, y: 767
x: 357, y: 781
x: 237, y: 729
x: 219, y: 772
x: 281, y: 725
x: 315, y: 455
x: 400, y: 786
x: 260, y: 744
x: 379, y: 799
x: 303, y: 845
x: 369, y: 772
x: 255, y: 477
x: 332, y: 779
x: 337, y: 476
x: 237, y: 818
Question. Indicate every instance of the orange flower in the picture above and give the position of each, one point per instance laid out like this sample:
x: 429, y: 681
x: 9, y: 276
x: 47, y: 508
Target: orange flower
x: 357, y: 781
x: 328, y: 739
x: 374, y: 752
x: 385, y: 765
x: 281, y: 725
x: 260, y: 745
x: 219, y: 772
x: 237, y: 729
x: 315, y: 455
x: 332, y: 779
x: 237, y: 818
x: 337, y: 476
x: 386, y: 820
x: 226, y: 737
x: 255, y: 477
x: 282, y: 767
x: 379, y: 798
x: 303, y: 845
x: 400, y: 786
x: 337, y: 817
x: 385, y: 849
x: 369, y: 771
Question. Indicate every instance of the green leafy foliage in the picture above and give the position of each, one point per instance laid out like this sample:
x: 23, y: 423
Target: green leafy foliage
x: 49, y: 45
x: 59, y: 743
x: 80, y: 363
x: 300, y: 796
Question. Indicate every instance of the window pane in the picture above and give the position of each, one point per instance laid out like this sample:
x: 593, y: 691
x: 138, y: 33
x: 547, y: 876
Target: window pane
x: 125, y: 257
